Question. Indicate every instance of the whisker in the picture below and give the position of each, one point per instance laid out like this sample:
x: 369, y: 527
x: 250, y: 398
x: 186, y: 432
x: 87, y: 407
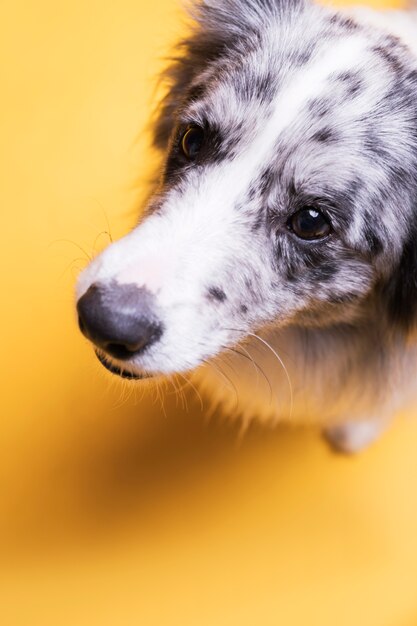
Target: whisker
x: 258, y: 368
x: 70, y: 266
x: 108, y: 231
x: 103, y: 232
x: 276, y: 355
x: 183, y: 396
x: 125, y: 392
x: 179, y: 393
x: 161, y: 396
x: 281, y: 362
x: 217, y: 368
x: 74, y: 243
x: 106, y: 217
x: 188, y: 382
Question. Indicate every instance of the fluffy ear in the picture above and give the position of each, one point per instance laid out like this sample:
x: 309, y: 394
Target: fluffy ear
x: 219, y: 25
x: 400, y: 293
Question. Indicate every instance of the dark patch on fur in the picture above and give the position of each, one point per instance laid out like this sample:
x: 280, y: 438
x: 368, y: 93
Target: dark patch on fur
x: 353, y: 82
x: 325, y: 272
x: 325, y: 135
x: 389, y: 53
x: 303, y: 57
x: 347, y: 24
x: 319, y: 107
x: 411, y: 77
x: 252, y: 291
x: 373, y: 241
x: 307, y: 259
x: 219, y: 146
x: 216, y: 293
x: 374, y: 144
x: 252, y: 193
x: 197, y: 92
x: 252, y: 86
x: 354, y: 188
x: 400, y: 293
x: 263, y: 88
x: 266, y: 180
x: 258, y: 222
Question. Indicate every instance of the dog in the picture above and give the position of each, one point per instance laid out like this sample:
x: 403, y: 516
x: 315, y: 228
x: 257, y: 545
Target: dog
x: 277, y: 256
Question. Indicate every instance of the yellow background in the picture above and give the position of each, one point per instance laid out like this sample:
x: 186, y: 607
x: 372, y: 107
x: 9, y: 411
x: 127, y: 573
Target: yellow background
x: 113, y: 511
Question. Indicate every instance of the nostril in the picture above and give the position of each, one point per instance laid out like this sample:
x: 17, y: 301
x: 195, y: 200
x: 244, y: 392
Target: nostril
x: 146, y: 333
x: 118, y: 351
x: 121, y: 351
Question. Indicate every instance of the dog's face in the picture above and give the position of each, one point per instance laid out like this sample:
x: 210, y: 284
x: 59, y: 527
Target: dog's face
x: 288, y: 194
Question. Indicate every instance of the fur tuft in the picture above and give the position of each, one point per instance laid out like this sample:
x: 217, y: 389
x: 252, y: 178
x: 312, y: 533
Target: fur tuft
x: 240, y: 17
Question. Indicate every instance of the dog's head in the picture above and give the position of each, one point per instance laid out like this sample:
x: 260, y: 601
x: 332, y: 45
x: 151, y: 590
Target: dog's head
x: 288, y: 193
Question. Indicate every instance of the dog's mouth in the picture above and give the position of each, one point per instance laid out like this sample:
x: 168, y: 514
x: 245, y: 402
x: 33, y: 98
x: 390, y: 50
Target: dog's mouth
x: 118, y: 371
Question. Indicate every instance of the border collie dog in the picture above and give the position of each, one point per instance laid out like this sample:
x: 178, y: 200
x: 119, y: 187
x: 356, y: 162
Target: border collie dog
x: 277, y: 256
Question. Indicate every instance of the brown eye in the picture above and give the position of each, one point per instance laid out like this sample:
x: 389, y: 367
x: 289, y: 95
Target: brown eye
x: 192, y: 141
x: 310, y: 223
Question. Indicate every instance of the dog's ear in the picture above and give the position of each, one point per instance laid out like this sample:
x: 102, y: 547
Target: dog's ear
x: 218, y: 26
x: 400, y: 292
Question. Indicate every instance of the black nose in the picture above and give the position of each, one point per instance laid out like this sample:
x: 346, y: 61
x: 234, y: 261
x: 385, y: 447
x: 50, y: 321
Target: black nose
x: 120, y: 319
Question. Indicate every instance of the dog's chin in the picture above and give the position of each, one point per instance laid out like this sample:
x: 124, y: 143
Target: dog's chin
x: 119, y: 371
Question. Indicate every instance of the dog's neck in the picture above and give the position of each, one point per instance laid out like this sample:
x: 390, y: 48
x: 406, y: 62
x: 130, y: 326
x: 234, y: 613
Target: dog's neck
x: 315, y: 375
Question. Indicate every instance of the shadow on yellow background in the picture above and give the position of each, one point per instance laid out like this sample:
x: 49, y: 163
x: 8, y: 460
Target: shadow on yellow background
x: 112, y: 509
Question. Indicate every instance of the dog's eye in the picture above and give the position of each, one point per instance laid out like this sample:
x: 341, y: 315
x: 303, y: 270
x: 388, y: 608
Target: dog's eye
x: 310, y: 223
x: 192, y: 141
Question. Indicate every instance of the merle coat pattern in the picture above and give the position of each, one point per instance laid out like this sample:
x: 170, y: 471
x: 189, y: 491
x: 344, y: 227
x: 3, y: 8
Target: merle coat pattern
x: 284, y: 224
